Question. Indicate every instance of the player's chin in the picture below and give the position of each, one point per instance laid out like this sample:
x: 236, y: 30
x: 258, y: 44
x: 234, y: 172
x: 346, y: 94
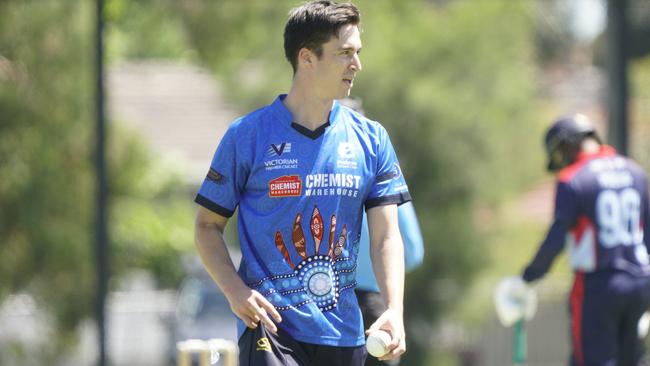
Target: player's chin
x: 343, y: 94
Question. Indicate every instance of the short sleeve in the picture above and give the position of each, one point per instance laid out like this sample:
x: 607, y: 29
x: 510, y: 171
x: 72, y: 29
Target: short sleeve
x: 221, y: 189
x: 389, y: 185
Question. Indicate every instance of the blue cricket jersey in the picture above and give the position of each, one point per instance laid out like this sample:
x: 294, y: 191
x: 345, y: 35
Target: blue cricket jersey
x: 301, y: 195
x: 601, y: 213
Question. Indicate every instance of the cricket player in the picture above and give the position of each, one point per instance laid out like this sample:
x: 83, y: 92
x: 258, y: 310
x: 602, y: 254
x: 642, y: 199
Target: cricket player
x: 301, y: 171
x: 601, y: 215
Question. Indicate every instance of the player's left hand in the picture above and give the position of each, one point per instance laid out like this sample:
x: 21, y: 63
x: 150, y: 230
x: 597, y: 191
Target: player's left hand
x: 392, y: 322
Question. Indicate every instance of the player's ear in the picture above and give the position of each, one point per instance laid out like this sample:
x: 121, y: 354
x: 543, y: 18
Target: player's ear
x: 306, y: 57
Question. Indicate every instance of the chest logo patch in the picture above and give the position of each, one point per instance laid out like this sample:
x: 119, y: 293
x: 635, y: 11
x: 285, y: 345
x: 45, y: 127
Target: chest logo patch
x: 346, y: 156
x: 279, y: 149
x: 285, y: 186
x: 345, y: 150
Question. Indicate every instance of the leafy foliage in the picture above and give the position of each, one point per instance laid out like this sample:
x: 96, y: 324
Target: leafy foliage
x: 47, y: 189
x: 145, y: 29
x: 639, y: 111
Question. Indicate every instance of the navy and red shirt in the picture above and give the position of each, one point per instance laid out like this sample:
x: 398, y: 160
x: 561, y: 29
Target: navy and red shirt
x: 601, y: 216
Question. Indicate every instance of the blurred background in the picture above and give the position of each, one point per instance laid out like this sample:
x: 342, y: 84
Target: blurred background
x: 465, y: 89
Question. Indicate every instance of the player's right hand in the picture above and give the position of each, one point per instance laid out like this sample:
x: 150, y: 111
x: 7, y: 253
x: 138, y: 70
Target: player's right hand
x: 251, y: 307
x: 514, y: 300
x: 393, y: 323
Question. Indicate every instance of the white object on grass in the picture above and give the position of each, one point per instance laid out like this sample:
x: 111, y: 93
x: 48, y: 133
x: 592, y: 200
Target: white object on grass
x: 514, y: 300
x: 377, y: 343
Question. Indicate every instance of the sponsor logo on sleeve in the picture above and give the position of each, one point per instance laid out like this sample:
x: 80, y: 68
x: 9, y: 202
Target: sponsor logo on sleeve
x: 285, y: 186
x: 394, y: 173
x: 401, y: 188
x: 216, y: 177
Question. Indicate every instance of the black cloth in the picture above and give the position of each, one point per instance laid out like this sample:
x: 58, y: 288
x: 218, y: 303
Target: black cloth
x: 260, y: 347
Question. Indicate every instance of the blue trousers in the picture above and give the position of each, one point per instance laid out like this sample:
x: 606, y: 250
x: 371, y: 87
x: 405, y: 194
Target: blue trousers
x: 605, y: 309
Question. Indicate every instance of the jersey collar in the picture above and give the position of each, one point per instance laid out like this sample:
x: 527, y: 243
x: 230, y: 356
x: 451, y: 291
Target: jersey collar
x: 604, y: 151
x: 582, y: 159
x: 280, y: 110
x: 284, y: 116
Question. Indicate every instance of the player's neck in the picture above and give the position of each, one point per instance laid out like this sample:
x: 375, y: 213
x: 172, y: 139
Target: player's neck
x: 590, y: 146
x: 307, y: 109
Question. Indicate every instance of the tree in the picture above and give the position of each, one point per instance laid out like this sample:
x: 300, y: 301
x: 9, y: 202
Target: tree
x: 47, y: 185
x: 46, y: 188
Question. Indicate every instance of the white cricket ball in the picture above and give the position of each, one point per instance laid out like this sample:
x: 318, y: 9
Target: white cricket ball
x: 377, y: 343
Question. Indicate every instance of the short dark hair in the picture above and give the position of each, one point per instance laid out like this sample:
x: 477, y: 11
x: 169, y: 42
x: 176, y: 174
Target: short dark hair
x: 313, y: 24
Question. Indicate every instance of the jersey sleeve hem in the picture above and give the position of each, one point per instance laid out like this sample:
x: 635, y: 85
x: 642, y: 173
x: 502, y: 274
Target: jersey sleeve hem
x: 218, y: 209
x: 398, y: 199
